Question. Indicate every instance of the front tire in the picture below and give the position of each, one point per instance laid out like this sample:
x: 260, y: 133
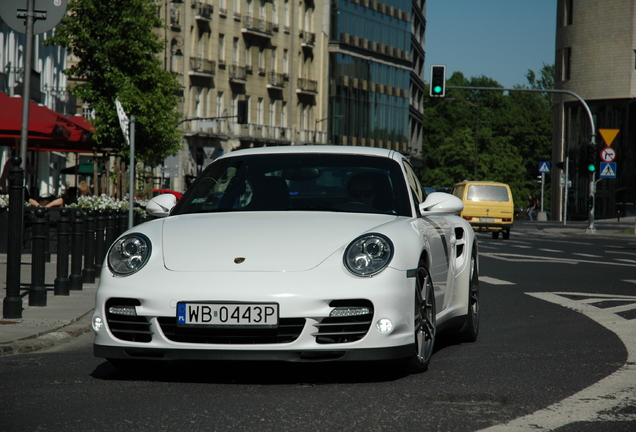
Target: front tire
x: 425, y: 323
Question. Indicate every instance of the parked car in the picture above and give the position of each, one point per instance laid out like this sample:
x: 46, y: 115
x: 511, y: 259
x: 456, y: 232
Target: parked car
x: 156, y: 192
x: 311, y: 254
x: 488, y: 206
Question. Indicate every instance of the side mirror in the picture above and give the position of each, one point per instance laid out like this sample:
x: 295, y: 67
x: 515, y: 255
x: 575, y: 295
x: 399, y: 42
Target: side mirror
x: 440, y: 203
x: 161, y: 205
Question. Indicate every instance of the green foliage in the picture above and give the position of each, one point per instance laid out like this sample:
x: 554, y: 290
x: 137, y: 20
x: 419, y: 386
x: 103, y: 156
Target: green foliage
x: 117, y: 52
x: 514, y: 134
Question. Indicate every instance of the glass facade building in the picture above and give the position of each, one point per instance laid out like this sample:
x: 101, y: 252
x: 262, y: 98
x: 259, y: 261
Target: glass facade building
x: 372, y: 74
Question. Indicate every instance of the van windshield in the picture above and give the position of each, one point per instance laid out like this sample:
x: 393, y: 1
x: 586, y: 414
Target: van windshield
x: 487, y: 193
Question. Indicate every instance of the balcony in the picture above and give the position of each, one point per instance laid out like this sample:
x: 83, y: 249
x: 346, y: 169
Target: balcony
x: 237, y: 74
x: 307, y: 87
x: 257, y: 27
x: 308, y: 39
x: 202, y: 67
x: 204, y: 11
x: 275, y: 81
x: 175, y: 17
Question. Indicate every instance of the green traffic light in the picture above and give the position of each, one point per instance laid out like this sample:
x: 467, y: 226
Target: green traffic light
x: 591, y: 167
x: 437, y: 89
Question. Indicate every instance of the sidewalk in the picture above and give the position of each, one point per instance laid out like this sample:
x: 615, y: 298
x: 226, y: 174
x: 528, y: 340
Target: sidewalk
x: 63, y: 318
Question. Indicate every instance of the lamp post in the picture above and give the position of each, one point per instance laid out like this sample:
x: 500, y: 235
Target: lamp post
x: 322, y: 120
x: 476, y: 129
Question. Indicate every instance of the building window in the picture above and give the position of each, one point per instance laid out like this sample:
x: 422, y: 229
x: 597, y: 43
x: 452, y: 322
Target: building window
x: 221, y: 49
x: 219, y: 104
x: 259, y: 111
x: 235, y: 51
x: 567, y: 63
x: 272, y: 113
x: 569, y: 11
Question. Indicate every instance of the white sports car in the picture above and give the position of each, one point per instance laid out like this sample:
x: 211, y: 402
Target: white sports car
x: 292, y: 253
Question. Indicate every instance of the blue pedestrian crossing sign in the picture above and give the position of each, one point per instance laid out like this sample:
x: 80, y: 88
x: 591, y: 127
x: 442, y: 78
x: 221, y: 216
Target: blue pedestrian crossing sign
x: 544, y: 167
x: 608, y: 170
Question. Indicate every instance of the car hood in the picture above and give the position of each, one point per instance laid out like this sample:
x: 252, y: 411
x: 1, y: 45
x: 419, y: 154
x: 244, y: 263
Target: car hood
x: 259, y: 241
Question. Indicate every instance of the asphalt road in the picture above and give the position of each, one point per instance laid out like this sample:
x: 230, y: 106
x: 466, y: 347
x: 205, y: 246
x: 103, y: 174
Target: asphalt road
x: 557, y: 312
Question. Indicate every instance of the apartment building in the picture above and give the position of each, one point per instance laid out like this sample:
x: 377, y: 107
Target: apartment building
x: 310, y: 71
x: 596, y: 59
x: 271, y: 54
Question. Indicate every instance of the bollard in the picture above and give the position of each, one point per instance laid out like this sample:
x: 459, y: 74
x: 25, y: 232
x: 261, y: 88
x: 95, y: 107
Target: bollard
x: 77, y: 243
x: 89, y: 248
x: 37, y: 291
x: 12, y: 303
x: 62, y: 283
x: 111, y: 235
x: 100, y: 247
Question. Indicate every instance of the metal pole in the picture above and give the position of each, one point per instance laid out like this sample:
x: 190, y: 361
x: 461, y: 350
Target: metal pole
x: 26, y: 92
x: 131, y: 194
x: 567, y: 177
x: 542, y: 186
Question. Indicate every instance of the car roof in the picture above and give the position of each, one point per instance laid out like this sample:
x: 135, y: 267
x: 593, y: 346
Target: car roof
x: 369, y: 151
x: 481, y: 182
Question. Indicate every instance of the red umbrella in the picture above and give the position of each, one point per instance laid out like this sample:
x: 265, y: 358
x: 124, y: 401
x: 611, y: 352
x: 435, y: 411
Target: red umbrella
x: 48, y: 130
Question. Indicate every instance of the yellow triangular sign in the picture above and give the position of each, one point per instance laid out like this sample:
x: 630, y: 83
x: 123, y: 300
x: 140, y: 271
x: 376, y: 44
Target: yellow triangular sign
x: 608, y: 135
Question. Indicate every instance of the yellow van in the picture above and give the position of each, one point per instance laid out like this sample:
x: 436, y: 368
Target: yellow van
x: 488, y: 206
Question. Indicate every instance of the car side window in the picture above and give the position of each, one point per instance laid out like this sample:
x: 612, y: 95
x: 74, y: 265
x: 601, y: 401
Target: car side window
x: 414, y: 183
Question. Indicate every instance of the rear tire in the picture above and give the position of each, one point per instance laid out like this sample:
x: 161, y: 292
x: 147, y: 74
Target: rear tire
x: 470, y: 329
x: 506, y: 234
x: 495, y: 235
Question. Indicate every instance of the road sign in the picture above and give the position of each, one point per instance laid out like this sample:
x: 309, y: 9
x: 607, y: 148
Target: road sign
x: 544, y: 167
x: 46, y: 14
x: 608, y: 154
x: 608, y: 170
x: 608, y: 135
x: 123, y: 120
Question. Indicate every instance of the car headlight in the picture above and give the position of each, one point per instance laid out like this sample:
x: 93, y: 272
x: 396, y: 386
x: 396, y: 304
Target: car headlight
x: 368, y: 255
x: 129, y: 254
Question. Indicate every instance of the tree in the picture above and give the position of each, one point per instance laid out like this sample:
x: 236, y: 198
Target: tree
x: 513, y: 134
x: 117, y: 52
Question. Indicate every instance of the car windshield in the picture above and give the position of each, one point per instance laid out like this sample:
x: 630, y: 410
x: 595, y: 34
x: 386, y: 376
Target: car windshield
x: 487, y: 193
x: 308, y: 181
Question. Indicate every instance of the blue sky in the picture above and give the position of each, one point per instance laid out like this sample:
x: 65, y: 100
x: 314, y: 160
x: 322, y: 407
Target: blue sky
x: 500, y: 39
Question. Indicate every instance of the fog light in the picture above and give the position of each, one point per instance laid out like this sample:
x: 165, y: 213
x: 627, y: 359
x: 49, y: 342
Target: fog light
x: 349, y: 311
x: 97, y: 323
x: 123, y: 310
x: 384, y: 325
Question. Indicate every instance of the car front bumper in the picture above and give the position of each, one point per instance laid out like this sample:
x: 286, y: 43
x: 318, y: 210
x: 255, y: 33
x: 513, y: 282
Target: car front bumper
x: 307, y: 298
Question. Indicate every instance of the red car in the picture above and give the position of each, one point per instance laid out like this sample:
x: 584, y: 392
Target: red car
x: 156, y: 192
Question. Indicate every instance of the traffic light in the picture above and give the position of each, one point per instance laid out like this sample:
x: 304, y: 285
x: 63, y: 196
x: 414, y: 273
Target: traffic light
x: 591, y: 158
x: 241, y: 112
x: 438, y: 81
x: 590, y: 202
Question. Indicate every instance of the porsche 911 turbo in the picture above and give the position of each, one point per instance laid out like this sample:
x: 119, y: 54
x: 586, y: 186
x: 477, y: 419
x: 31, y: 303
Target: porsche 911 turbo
x: 302, y: 254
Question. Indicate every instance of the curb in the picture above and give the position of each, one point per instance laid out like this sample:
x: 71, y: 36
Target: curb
x: 49, y: 338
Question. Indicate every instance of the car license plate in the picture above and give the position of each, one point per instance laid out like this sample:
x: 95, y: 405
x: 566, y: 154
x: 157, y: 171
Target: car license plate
x: 486, y: 219
x: 228, y: 314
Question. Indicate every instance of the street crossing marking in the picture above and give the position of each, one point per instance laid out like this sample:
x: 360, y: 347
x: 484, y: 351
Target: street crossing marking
x: 554, y: 260
x: 587, y: 255
x: 551, y: 250
x: 494, y: 281
x: 604, y: 400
